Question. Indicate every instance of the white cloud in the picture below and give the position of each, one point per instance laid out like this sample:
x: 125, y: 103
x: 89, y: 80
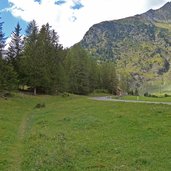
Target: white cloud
x: 155, y: 3
x: 71, y: 24
x: 7, y: 43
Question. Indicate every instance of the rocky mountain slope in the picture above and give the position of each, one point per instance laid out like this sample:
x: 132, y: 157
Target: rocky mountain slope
x: 140, y: 46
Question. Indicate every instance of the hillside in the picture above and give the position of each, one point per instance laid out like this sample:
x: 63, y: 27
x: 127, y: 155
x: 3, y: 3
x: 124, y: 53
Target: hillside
x: 140, y: 45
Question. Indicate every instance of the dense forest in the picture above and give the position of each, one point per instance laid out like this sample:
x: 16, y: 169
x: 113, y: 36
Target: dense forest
x: 37, y: 63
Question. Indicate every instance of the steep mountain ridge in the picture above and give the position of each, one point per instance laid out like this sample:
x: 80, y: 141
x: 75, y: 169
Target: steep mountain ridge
x: 140, y: 45
x: 162, y: 14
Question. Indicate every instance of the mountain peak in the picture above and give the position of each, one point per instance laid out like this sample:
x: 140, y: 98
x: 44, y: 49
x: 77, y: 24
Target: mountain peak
x: 162, y: 14
x: 167, y: 6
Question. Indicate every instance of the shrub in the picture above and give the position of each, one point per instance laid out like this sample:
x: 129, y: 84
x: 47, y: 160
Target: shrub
x: 152, y: 95
x: 100, y: 91
x: 146, y: 94
x: 65, y: 94
x: 5, y: 94
x: 40, y: 105
x: 131, y: 92
x: 167, y: 95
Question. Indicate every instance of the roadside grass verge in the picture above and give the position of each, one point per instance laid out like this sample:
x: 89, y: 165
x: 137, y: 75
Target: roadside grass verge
x: 143, y: 98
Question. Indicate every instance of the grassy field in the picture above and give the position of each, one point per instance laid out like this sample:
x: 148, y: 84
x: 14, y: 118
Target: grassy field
x: 142, y: 98
x: 76, y: 134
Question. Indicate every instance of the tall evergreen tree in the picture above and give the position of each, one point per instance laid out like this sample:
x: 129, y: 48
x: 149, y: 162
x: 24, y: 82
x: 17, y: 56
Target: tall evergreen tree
x: 43, y: 66
x: 27, y: 62
x: 78, y: 70
x: 40, y: 69
x: 113, y: 85
x: 93, y: 74
x: 51, y: 58
x: 57, y: 57
x: 107, y: 77
x: 15, y: 48
x: 31, y: 33
x: 2, y: 39
x: 8, y: 78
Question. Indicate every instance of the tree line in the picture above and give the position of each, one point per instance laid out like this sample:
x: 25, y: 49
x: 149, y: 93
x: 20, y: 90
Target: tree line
x: 37, y: 61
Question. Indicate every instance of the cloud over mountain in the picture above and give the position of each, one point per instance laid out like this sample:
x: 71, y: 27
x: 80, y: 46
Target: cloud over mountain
x: 72, y: 18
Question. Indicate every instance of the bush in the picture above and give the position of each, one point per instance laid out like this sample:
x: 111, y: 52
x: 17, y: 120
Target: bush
x: 131, y: 92
x: 5, y: 94
x: 146, y: 94
x: 167, y: 95
x: 152, y: 95
x: 65, y: 94
x: 40, y: 105
x: 100, y: 91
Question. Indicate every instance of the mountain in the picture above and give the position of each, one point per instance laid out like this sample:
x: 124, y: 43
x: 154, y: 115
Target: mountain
x: 140, y: 46
x: 161, y: 15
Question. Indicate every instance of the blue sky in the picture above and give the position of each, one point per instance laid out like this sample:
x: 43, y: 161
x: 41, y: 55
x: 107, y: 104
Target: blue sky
x: 70, y: 18
x: 9, y: 20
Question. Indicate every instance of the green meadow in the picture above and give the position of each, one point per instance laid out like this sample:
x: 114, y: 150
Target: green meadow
x: 142, y: 98
x: 76, y: 133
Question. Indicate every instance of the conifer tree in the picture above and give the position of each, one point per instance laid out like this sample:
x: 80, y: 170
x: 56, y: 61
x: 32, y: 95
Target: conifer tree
x: 31, y: 33
x: 43, y: 66
x: 8, y: 79
x: 2, y: 39
x: 27, y: 65
x: 15, y: 47
x: 78, y: 71
x: 52, y: 57
x: 107, y: 77
x: 93, y: 74
x: 57, y: 57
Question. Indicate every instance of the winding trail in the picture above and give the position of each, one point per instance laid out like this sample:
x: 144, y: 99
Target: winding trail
x: 16, y: 151
x: 109, y: 98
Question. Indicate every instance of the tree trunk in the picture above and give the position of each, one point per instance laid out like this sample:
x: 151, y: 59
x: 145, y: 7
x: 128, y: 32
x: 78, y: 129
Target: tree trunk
x: 35, y: 91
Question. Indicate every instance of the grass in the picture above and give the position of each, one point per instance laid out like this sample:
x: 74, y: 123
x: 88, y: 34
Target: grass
x: 143, y: 98
x: 163, y: 25
x: 76, y: 133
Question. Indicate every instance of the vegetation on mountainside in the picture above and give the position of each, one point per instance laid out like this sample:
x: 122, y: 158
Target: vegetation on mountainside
x: 140, y: 46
